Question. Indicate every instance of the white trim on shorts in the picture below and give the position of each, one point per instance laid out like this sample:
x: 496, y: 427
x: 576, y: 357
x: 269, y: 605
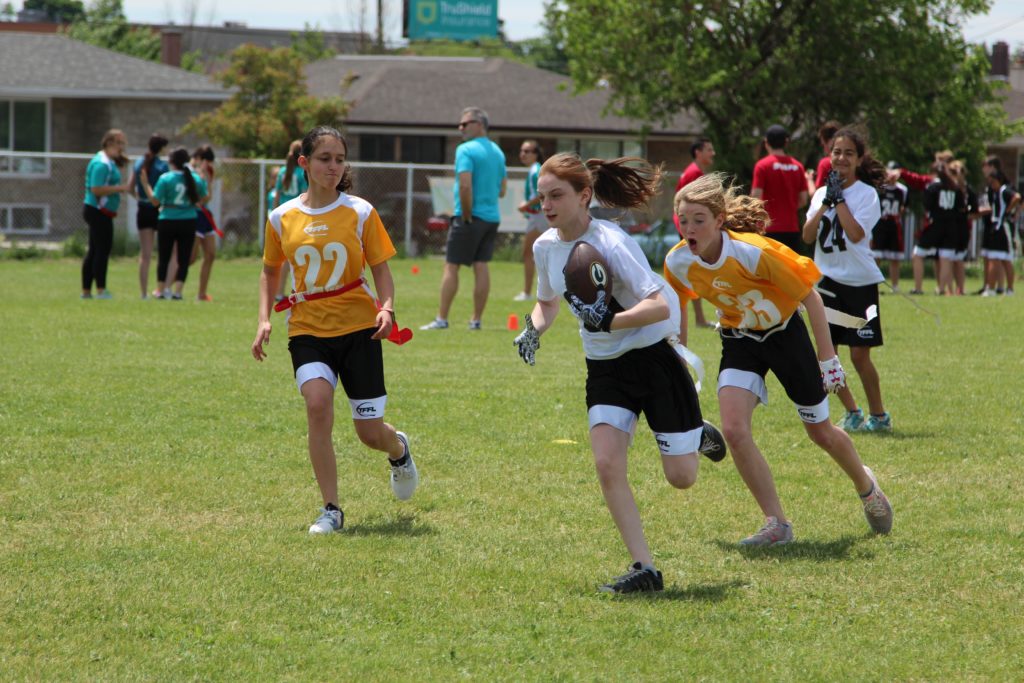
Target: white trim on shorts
x: 308, y: 371
x: 952, y: 254
x: 744, y: 379
x: 888, y: 255
x: 924, y: 253
x: 622, y: 419
x: 813, y: 414
x: 996, y: 255
x: 679, y: 443
x: 367, y: 408
x: 669, y: 443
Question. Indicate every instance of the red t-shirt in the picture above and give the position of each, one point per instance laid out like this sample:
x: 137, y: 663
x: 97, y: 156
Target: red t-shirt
x: 781, y: 179
x: 821, y: 175
x: 691, y: 173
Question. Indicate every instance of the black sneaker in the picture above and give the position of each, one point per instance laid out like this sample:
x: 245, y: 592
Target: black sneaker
x: 712, y: 443
x: 636, y: 580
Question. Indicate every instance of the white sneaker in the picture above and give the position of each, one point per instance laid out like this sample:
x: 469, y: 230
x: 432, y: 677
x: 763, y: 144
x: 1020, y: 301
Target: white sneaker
x: 522, y: 296
x: 435, y: 324
x: 404, y: 479
x: 329, y: 521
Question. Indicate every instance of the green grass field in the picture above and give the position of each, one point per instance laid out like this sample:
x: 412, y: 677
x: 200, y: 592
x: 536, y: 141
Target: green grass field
x: 155, y: 493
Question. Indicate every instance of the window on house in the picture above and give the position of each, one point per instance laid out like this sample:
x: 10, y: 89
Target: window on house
x: 23, y: 126
x: 24, y: 219
x: 422, y: 149
x: 377, y: 148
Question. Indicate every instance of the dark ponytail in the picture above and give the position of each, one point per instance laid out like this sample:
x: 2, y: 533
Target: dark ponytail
x: 179, y: 159
x: 156, y: 144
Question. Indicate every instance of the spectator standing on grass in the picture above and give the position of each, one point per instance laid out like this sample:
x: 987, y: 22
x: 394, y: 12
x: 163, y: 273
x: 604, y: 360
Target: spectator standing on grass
x: 631, y: 367
x: 926, y: 241
x: 103, y: 188
x: 336, y: 324
x: 887, y: 235
x: 702, y: 150
x: 780, y: 181
x: 759, y: 286
x: 965, y: 221
x: 480, y: 181
x: 531, y: 155
x: 839, y: 220
x: 148, y: 215
x: 289, y: 183
x: 177, y: 195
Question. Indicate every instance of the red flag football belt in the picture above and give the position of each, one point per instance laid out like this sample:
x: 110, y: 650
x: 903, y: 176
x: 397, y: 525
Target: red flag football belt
x: 298, y: 297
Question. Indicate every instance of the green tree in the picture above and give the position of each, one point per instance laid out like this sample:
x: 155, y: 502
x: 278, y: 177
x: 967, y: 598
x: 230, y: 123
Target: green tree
x: 270, y: 106
x: 104, y: 24
x: 58, y: 10
x: 310, y: 45
x: 900, y: 67
x: 548, y: 51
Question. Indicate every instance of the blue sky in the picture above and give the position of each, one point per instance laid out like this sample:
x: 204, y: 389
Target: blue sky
x: 1005, y: 20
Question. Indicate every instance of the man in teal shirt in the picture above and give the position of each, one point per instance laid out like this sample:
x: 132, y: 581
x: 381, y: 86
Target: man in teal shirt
x: 480, y: 182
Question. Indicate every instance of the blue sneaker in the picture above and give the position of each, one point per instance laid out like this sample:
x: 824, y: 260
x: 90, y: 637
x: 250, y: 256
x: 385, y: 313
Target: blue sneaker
x: 876, y: 423
x: 105, y: 294
x: 853, y: 421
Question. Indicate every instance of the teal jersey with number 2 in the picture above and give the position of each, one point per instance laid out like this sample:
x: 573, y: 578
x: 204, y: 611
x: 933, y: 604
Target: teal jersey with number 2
x: 173, y: 197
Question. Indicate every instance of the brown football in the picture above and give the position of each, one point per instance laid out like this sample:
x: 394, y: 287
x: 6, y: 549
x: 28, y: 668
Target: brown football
x: 586, y: 272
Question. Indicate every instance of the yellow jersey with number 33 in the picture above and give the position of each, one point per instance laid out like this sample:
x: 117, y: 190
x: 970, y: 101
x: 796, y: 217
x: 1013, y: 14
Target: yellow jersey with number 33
x: 328, y: 248
x: 756, y: 284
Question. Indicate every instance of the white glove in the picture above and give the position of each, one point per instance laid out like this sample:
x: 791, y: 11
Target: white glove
x: 832, y: 376
x: 528, y: 342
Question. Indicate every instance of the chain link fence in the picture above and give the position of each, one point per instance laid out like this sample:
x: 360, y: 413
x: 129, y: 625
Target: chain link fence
x: 41, y: 202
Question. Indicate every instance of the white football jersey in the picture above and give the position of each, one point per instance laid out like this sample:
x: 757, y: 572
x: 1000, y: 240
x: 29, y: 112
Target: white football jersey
x: 632, y: 281
x: 838, y: 257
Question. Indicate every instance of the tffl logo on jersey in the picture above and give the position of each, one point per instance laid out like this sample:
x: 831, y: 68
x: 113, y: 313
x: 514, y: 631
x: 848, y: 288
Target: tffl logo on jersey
x: 366, y: 409
x: 719, y: 283
x: 316, y: 229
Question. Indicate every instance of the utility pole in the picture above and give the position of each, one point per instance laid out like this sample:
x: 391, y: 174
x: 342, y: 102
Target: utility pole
x: 380, y: 25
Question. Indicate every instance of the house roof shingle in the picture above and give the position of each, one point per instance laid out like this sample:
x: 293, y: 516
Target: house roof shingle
x: 431, y: 91
x: 48, y: 65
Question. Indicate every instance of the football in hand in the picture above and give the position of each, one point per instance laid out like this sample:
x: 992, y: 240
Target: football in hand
x: 586, y: 272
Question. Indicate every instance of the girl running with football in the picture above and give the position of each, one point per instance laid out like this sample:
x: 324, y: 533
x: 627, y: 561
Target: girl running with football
x: 839, y: 219
x: 631, y: 367
x: 758, y: 286
x: 335, y: 326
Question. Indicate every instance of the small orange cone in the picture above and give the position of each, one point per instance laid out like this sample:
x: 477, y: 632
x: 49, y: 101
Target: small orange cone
x: 415, y: 270
x: 513, y: 321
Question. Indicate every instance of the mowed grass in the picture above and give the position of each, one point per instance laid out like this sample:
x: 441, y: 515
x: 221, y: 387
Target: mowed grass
x: 155, y: 493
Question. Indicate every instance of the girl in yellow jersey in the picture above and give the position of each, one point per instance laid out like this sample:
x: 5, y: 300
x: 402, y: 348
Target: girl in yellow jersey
x: 758, y: 286
x: 335, y: 327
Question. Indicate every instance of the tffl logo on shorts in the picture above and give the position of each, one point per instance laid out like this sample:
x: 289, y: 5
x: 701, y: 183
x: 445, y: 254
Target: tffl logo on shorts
x: 366, y: 409
x: 805, y: 414
x: 866, y: 333
x: 662, y: 443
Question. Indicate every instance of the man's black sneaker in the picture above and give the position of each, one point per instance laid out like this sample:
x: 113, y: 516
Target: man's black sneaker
x: 636, y: 580
x: 712, y: 443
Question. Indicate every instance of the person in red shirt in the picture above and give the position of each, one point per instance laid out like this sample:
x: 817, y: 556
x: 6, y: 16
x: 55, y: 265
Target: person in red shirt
x: 780, y: 181
x: 703, y: 153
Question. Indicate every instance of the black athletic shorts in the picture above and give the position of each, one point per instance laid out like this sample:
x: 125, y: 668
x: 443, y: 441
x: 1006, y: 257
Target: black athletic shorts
x: 147, y: 216
x: 651, y: 380
x: 787, y: 352
x: 353, y: 358
x: 854, y: 300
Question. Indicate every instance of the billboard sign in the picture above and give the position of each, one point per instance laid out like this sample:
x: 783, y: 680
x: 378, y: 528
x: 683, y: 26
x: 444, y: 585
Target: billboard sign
x: 452, y: 19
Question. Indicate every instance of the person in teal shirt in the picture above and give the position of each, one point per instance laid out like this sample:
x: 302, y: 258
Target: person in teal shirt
x: 103, y: 188
x: 290, y: 183
x: 480, y: 182
x: 531, y: 154
x: 176, y: 194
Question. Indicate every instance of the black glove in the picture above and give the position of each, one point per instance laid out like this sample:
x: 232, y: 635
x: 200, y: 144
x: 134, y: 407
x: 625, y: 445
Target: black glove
x: 596, y: 317
x: 833, y: 189
x: 528, y: 342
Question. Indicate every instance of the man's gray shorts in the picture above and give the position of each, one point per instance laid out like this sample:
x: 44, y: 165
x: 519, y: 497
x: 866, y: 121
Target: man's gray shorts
x: 468, y: 244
